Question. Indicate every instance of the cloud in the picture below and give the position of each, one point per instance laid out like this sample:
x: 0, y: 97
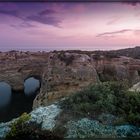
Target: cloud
x: 47, y: 12
x: 45, y: 20
x: 23, y: 25
x: 131, y: 2
x: 114, y: 33
x: 10, y: 13
x: 137, y: 32
x: 113, y: 20
x: 137, y: 14
x: 43, y: 17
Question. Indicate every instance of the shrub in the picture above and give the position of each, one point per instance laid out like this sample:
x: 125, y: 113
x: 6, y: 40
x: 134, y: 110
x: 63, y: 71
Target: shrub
x: 18, y: 125
x: 133, y: 107
x: 32, y: 131
x: 107, y: 97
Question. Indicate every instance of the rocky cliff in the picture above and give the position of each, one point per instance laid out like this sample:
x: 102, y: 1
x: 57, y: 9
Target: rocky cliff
x: 63, y: 73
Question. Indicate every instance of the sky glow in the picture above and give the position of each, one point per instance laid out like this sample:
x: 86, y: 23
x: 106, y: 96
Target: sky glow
x: 85, y: 26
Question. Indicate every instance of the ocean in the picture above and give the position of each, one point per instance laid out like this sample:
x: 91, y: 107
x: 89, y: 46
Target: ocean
x: 36, y: 49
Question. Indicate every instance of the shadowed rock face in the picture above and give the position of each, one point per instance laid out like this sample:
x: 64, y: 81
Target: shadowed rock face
x: 63, y: 73
x: 122, y: 68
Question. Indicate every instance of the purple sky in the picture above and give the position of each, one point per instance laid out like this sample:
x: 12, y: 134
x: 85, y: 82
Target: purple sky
x: 69, y: 25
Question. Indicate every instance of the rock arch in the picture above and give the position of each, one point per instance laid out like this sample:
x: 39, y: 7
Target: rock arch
x: 16, y: 79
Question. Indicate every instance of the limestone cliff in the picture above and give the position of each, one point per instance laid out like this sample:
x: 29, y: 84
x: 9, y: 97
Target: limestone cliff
x: 64, y: 76
x: 62, y: 73
x: 121, y: 68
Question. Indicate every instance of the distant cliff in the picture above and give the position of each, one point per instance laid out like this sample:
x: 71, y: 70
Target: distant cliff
x: 130, y: 52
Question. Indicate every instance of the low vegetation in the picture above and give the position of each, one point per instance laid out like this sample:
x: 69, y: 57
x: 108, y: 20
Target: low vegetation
x: 107, y: 97
x: 18, y: 125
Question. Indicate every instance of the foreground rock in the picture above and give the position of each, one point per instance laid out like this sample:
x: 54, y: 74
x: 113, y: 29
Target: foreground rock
x: 45, y: 116
x: 42, y: 115
x: 82, y: 128
x: 86, y: 128
x: 4, y: 129
x: 135, y: 87
x: 48, y: 116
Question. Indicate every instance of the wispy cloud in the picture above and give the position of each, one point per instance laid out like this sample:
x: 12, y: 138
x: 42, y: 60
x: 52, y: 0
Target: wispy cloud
x: 114, y: 33
x: 113, y: 20
x: 50, y: 20
x: 23, y: 25
x: 137, y: 32
x: 47, y: 12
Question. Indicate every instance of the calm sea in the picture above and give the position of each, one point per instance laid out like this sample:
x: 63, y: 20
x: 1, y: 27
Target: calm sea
x: 2, y: 49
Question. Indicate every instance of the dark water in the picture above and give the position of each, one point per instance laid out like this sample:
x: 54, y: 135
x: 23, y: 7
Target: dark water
x: 13, y: 104
x: 31, y: 85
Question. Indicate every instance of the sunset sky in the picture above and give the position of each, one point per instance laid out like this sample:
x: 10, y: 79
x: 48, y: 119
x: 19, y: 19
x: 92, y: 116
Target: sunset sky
x: 85, y: 26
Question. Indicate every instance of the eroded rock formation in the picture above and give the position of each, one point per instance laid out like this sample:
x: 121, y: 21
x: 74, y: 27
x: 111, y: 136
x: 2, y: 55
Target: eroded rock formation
x: 63, y: 76
x: 16, y: 67
x: 122, y: 68
x: 63, y: 73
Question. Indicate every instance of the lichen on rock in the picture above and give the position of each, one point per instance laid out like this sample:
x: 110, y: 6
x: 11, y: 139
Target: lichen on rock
x: 4, y: 129
x: 86, y: 128
x: 42, y: 115
x: 45, y: 116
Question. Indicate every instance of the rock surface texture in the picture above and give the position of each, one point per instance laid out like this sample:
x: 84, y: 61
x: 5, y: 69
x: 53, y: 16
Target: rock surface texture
x: 63, y: 73
x: 81, y: 128
x: 45, y: 116
x: 86, y: 128
x: 135, y: 87
x: 42, y: 115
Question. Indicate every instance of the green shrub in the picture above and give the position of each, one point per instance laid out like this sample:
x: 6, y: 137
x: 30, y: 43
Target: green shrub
x: 32, y: 131
x: 18, y: 125
x: 133, y: 107
x: 107, y: 97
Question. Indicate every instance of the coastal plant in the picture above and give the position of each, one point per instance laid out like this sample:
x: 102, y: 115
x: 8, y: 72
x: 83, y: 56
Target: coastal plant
x: 133, y: 107
x: 107, y: 97
x: 18, y: 125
